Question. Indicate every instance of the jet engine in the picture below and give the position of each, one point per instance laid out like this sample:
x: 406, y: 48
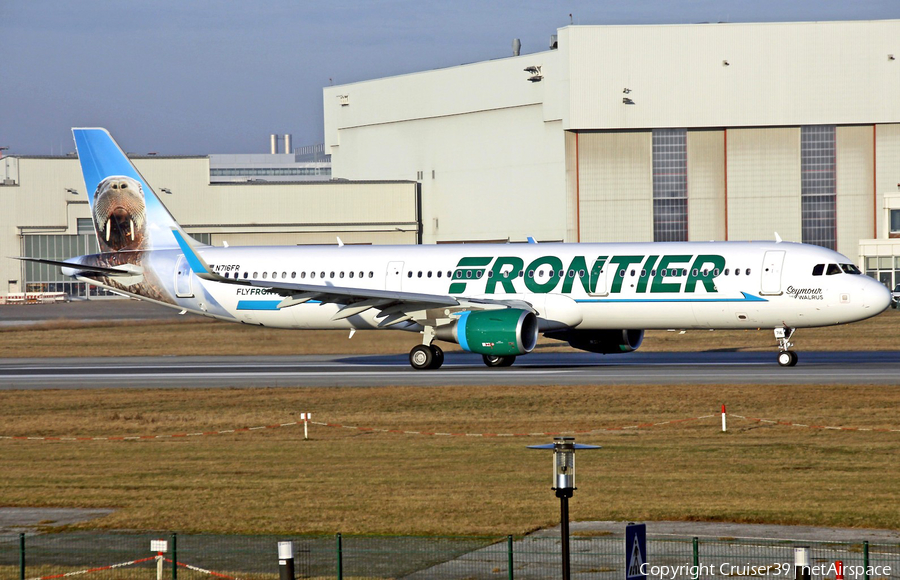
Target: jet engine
x: 600, y: 341
x: 506, y: 332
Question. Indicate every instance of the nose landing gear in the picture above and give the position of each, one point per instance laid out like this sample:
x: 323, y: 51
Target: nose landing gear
x: 786, y: 357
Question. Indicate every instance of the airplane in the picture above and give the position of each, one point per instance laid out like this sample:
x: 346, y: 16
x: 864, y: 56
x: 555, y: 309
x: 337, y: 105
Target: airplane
x: 490, y: 299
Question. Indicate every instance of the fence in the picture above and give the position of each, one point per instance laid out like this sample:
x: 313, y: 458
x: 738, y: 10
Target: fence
x: 123, y: 556
x: 33, y: 298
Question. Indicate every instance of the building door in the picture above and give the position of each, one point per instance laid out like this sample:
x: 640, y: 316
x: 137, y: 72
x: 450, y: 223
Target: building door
x: 394, y: 278
x: 771, y: 272
x: 183, y: 279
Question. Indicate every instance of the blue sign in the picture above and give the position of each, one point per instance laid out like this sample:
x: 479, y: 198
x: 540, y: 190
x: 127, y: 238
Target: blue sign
x: 635, y: 551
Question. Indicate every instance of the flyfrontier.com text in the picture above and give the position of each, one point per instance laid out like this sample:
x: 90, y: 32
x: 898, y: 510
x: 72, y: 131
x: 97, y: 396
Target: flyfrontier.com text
x: 784, y: 570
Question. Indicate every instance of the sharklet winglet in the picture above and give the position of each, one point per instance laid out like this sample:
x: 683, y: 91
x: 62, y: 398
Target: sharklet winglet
x: 197, y: 264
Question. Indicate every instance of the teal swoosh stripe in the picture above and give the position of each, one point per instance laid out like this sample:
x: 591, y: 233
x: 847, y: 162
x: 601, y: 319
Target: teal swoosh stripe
x: 258, y: 304
x: 746, y: 298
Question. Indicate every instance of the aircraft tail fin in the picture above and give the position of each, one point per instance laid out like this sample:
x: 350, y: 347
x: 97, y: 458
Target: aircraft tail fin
x: 127, y: 214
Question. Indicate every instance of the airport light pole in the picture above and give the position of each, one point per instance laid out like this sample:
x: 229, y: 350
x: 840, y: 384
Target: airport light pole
x: 564, y: 486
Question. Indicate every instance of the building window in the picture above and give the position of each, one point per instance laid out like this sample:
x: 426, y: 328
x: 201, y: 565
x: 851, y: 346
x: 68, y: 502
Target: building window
x: 817, y: 186
x: 85, y: 226
x: 670, y: 185
x: 895, y: 223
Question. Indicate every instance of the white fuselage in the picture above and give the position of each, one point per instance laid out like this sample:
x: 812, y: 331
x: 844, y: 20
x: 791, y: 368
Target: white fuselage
x: 635, y: 285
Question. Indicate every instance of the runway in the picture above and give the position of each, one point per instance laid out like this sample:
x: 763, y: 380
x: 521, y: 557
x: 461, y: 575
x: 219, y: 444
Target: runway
x: 850, y: 368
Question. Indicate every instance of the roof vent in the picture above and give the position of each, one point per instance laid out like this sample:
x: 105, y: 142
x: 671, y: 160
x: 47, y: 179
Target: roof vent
x: 554, y: 43
x: 517, y: 46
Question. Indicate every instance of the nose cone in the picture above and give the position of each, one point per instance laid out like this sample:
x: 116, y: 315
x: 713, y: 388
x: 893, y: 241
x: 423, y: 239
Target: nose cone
x: 876, y: 297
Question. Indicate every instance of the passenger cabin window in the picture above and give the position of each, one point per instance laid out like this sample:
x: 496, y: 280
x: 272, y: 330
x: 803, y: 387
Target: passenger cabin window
x: 818, y: 269
x: 833, y: 269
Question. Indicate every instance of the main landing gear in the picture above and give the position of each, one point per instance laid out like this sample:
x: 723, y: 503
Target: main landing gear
x: 786, y: 357
x: 426, y: 356
x: 498, y: 361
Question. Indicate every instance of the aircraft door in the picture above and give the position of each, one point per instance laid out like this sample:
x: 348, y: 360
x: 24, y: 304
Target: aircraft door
x: 394, y: 278
x: 183, y: 279
x: 601, y: 288
x: 771, y: 272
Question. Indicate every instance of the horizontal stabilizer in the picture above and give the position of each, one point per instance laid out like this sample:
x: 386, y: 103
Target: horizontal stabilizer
x: 80, y: 267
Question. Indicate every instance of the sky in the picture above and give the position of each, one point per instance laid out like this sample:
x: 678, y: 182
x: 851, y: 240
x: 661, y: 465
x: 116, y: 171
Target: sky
x: 196, y: 77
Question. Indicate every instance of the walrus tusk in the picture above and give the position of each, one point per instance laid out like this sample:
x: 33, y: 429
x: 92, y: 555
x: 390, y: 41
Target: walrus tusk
x: 132, y: 229
x: 107, y: 230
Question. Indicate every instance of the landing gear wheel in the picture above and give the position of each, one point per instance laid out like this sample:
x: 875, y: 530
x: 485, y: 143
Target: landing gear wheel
x: 438, y: 359
x: 421, y: 357
x: 787, y: 358
x: 498, y: 361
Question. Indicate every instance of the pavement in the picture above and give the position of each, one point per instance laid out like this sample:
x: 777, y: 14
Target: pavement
x: 14, y: 520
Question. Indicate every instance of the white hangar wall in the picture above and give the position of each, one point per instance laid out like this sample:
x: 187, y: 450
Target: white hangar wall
x: 486, y: 145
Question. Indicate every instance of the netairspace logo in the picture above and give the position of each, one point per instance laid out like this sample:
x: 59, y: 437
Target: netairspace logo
x: 783, y: 570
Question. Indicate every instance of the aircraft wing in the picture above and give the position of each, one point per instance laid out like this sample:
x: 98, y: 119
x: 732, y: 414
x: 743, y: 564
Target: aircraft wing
x: 395, y: 306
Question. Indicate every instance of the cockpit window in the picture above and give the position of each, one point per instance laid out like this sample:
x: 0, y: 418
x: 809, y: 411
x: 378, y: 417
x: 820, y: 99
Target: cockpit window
x: 818, y: 269
x: 833, y: 269
x: 850, y: 269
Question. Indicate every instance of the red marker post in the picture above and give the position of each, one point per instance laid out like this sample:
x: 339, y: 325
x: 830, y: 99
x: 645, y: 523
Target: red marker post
x: 723, y: 418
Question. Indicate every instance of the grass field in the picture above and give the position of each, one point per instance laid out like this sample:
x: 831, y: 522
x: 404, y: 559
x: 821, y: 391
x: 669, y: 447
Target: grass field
x: 200, y: 336
x: 352, y: 481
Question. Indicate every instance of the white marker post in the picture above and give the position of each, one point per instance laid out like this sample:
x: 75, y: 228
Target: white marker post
x: 286, y: 560
x: 160, y: 547
x: 723, y: 418
x: 801, y: 564
x: 305, y: 417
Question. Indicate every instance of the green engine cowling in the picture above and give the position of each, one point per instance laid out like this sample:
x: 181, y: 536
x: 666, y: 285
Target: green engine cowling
x: 510, y: 331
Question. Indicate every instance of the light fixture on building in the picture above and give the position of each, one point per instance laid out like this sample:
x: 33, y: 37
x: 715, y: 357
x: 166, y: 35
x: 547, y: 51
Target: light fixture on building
x: 166, y: 190
x: 626, y: 90
x: 564, y: 486
x: 726, y: 63
x: 627, y: 101
x: 891, y: 57
x: 72, y: 191
x: 535, y: 72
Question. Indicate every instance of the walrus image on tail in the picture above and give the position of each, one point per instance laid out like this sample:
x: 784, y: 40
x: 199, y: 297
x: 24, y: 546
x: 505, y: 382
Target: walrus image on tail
x: 120, y: 214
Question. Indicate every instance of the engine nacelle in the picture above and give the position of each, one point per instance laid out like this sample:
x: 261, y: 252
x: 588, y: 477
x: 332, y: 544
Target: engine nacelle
x: 505, y: 332
x: 601, y: 341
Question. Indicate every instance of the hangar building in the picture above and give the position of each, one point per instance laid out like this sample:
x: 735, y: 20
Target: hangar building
x: 643, y: 133
x: 44, y: 212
